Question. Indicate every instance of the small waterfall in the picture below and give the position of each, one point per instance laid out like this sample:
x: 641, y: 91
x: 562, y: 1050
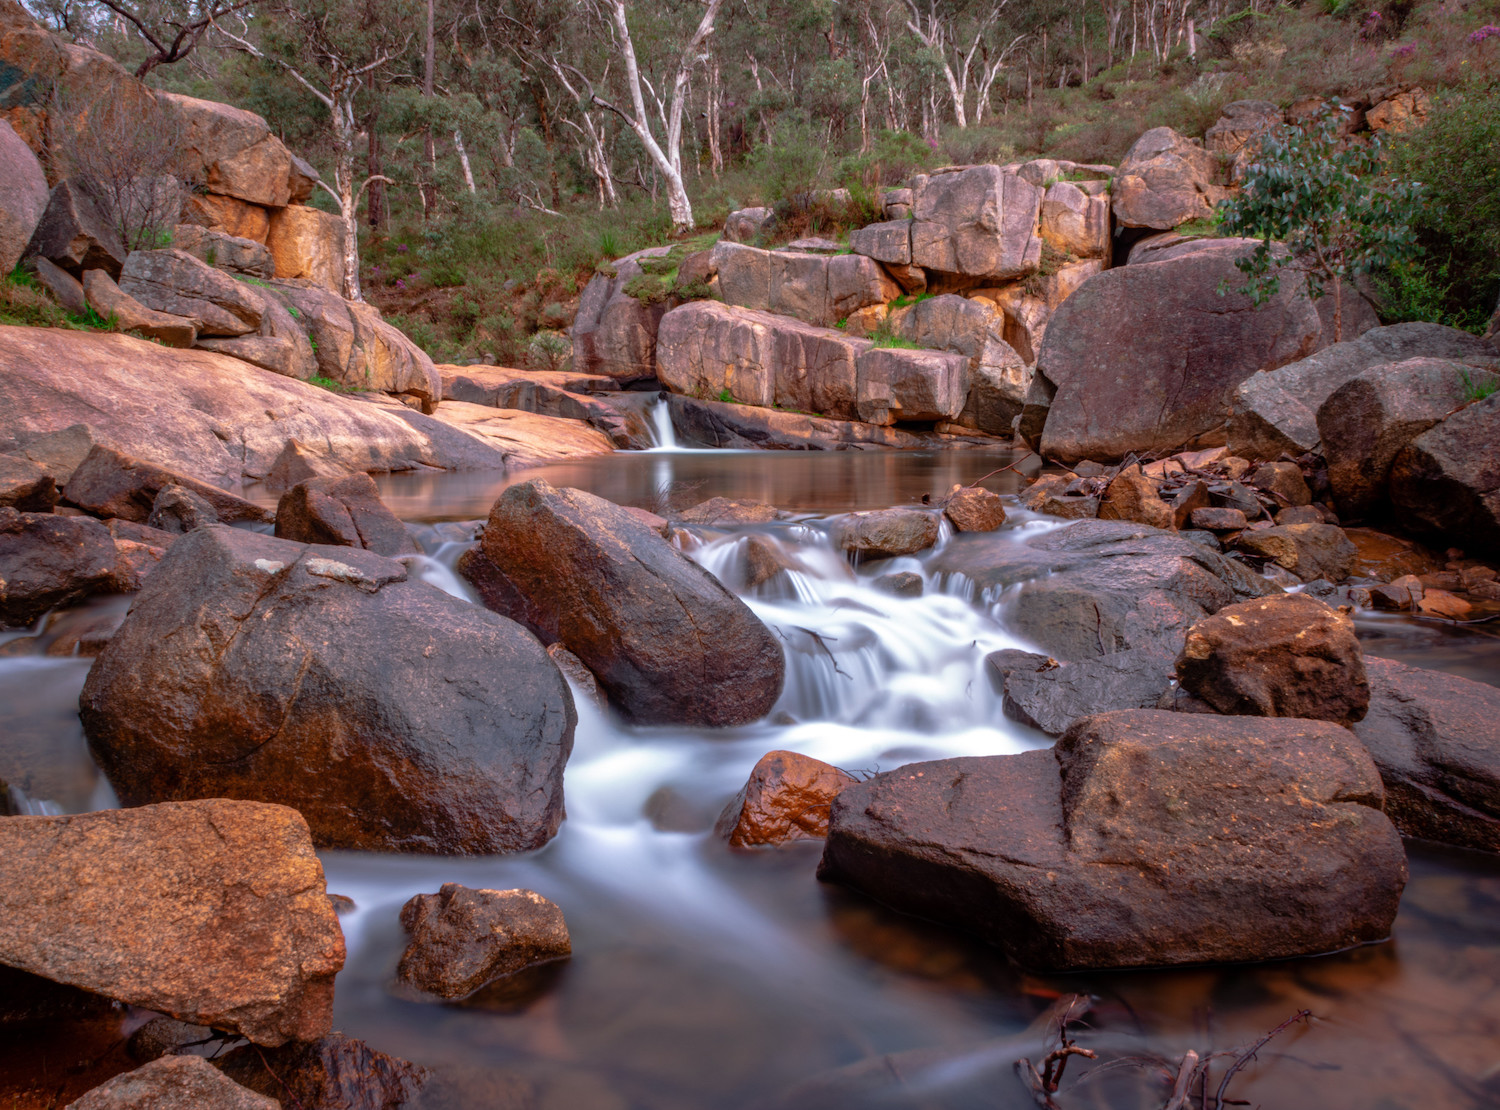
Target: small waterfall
x: 663, y: 435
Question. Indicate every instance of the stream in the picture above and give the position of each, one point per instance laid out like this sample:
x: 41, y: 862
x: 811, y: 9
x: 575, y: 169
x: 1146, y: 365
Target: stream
x: 704, y: 978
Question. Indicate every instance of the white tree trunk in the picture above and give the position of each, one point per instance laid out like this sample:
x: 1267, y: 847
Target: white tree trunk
x: 463, y: 160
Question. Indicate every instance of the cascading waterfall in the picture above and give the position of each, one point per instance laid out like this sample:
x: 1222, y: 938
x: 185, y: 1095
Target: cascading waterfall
x: 659, y: 419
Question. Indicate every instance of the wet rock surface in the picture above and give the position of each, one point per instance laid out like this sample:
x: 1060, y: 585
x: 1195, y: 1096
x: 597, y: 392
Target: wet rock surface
x: 1049, y: 697
x: 972, y: 509
x: 1307, y: 550
x: 888, y: 532
x: 330, y: 1073
x: 342, y: 512
x: 393, y: 715
x: 48, y: 560
x: 173, y: 1083
x: 666, y: 640
x: 1111, y: 850
x: 462, y: 939
x: 786, y: 798
x: 214, y: 912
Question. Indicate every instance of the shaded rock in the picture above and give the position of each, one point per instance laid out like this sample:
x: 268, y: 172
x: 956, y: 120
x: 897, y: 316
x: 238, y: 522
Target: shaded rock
x: 744, y: 225
x: 24, y: 199
x: 1284, y: 482
x: 63, y: 286
x: 177, y: 509
x: 786, y: 798
x: 226, y: 214
x: 1054, y: 495
x: 331, y: 1073
x: 75, y: 234
x: 1132, y: 496
x: 1188, y: 500
x: 280, y: 356
x: 978, y: 222
x: 355, y: 347
x: 343, y: 512
x: 1026, y: 318
x: 1146, y: 357
x: 297, y: 464
x: 729, y: 510
x: 393, y: 715
x: 133, y: 562
x: 998, y: 378
x: 971, y: 509
x: 884, y: 242
x: 666, y: 640
x: 1111, y: 850
x: 886, y: 533
x: 26, y: 486
x: 462, y: 938
x: 1276, y: 412
x: 1366, y: 422
x: 174, y: 282
x: 255, y: 954
x: 1236, y: 136
x: 1219, y: 520
x: 163, y: 1036
x: 1163, y: 181
x: 230, y: 253
x: 739, y: 427
x: 307, y: 243
x: 173, y: 1083
x: 814, y: 288
x: 1287, y: 656
x: 48, y: 560
x: 614, y: 334
x: 1436, y: 739
x: 895, y: 384
x: 110, y: 484
x: 1446, y: 483
x: 1347, y: 318
x: 1307, y: 550
x: 578, y: 675
x: 1051, y: 698
x: 113, y: 303
x: 1098, y: 587
x: 1075, y: 223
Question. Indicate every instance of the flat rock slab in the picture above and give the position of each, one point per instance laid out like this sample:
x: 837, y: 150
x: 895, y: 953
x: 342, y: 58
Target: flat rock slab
x: 743, y: 427
x: 1142, y: 839
x: 525, y: 438
x: 214, y: 912
x: 391, y: 714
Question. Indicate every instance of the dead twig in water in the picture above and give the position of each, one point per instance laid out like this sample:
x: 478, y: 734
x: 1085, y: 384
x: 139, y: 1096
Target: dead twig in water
x: 1002, y: 470
x: 1249, y: 1054
x: 1044, y: 1084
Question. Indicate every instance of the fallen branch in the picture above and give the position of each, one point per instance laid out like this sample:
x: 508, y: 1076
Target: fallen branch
x: 1249, y: 1054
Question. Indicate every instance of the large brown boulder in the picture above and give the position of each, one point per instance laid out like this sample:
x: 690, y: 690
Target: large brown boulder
x: 1142, y: 839
x: 899, y: 384
x: 745, y: 427
x: 227, y: 215
x: 48, y: 561
x: 1436, y: 739
x: 668, y: 643
x: 76, y: 234
x: 308, y: 243
x: 978, y: 222
x: 175, y: 282
x: 887, y: 533
x: 1146, y: 357
x: 1446, y: 483
x: 392, y: 715
x: 786, y: 798
x: 462, y: 938
x: 1163, y: 180
x: 214, y: 912
x: 228, y: 150
x: 1309, y: 551
x: 997, y: 377
x: 24, y: 198
x: 173, y: 1083
x: 614, y: 334
x: 1284, y: 656
x: 1277, y: 412
x: 342, y: 512
x: 114, y: 304
x: 110, y: 484
x: 355, y: 347
x: 814, y: 288
x: 1075, y: 223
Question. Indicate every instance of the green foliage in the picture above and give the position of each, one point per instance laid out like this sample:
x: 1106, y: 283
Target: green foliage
x: 884, y: 338
x: 1339, y: 215
x: 331, y: 385
x: 906, y: 299
x: 24, y: 303
x: 549, y: 350
x: 726, y: 397
x: 1477, y: 391
x: 1420, y: 289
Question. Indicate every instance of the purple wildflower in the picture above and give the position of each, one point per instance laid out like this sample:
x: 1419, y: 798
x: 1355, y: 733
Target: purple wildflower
x: 1489, y: 30
x: 400, y: 284
x: 1404, y: 51
x: 401, y: 248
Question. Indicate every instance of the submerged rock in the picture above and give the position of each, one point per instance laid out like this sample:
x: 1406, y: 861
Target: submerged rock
x: 886, y: 533
x: 666, y: 640
x: 331, y: 1073
x: 786, y: 798
x: 462, y: 939
x: 1142, y: 839
x: 214, y: 912
x: 393, y: 715
x: 173, y: 1083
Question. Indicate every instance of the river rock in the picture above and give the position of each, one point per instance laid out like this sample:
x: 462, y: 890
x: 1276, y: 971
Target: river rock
x: 997, y: 377
x: 972, y: 509
x: 979, y: 222
x: 48, y: 561
x: 887, y: 533
x: 173, y: 1083
x: 307, y: 243
x: 174, y: 282
x: 1436, y: 739
x: 26, y: 486
x: 1051, y: 698
x: 331, y: 1073
x: 462, y: 939
x: 814, y: 288
x: 729, y: 510
x: 1132, y: 496
x: 1307, y: 550
x: 1146, y: 357
x: 1284, y: 482
x: 214, y: 912
x: 343, y: 512
x: 1277, y: 412
x: 178, y: 509
x: 1445, y: 484
x: 75, y: 234
x: 1098, y: 587
x: 230, y: 253
x: 786, y: 798
x: 110, y: 484
x: 906, y: 385
x: 1111, y: 850
x: 1058, y: 495
x: 666, y: 640
x: 1366, y: 422
x: 1284, y: 656
x: 25, y: 197
x: 1163, y: 180
x: 393, y: 715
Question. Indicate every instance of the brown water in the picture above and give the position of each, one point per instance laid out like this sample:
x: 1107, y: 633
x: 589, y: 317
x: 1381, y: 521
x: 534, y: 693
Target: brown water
x: 702, y: 978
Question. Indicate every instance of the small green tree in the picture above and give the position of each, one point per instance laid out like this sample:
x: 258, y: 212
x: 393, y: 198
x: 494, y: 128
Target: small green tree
x: 1329, y: 203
